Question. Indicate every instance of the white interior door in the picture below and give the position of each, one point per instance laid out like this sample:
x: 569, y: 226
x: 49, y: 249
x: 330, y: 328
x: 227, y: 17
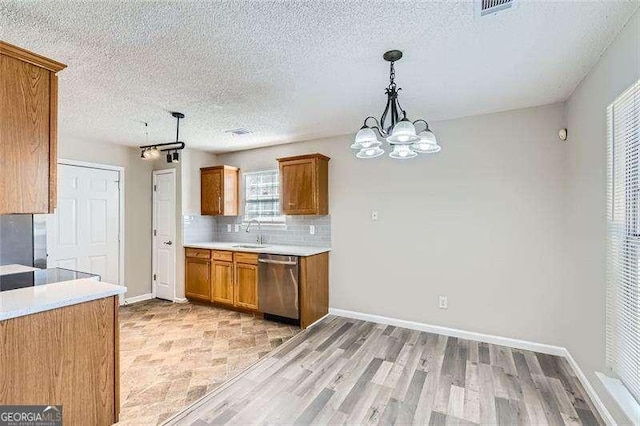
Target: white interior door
x: 164, y: 234
x: 84, y: 232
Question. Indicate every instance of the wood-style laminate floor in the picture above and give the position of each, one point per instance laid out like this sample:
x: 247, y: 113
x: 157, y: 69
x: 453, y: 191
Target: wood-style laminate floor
x: 356, y: 372
x: 172, y: 354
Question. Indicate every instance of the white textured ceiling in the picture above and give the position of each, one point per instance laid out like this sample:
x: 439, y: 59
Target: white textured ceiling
x: 299, y: 70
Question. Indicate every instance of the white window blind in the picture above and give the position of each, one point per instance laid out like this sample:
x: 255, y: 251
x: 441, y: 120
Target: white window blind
x: 262, y: 197
x: 623, y: 238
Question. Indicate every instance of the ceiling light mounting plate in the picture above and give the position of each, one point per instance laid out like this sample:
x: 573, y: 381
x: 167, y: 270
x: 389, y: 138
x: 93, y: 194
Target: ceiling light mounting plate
x: 392, y: 55
x: 177, y: 114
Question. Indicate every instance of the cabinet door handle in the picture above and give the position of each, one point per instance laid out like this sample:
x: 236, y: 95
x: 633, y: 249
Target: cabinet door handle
x: 219, y: 204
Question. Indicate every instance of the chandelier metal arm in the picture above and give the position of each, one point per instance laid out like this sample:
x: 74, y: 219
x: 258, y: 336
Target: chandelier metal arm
x: 377, y: 126
x: 394, y: 114
x: 420, y: 120
x: 404, y: 113
x: 383, y: 118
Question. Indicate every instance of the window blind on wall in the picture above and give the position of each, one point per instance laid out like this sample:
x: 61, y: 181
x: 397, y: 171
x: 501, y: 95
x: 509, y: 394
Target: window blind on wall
x: 623, y: 238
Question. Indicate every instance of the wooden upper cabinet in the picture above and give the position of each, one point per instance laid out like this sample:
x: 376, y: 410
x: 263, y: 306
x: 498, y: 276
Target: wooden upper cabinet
x: 304, y: 185
x: 219, y: 191
x: 28, y: 131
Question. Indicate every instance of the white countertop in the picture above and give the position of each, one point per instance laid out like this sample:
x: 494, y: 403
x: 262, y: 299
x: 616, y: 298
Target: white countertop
x: 268, y: 249
x: 15, y: 269
x: 31, y: 300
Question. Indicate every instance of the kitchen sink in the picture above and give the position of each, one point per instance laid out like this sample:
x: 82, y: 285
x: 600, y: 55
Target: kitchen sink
x: 251, y: 246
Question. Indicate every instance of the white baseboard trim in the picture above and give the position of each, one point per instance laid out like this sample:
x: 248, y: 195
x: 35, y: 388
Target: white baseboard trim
x: 180, y: 300
x: 136, y: 299
x: 454, y: 332
x: 488, y: 338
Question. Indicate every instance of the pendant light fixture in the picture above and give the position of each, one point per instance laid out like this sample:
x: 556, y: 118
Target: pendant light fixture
x: 400, y: 133
x: 152, y: 152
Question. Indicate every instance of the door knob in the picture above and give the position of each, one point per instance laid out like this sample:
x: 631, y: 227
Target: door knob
x: 168, y: 243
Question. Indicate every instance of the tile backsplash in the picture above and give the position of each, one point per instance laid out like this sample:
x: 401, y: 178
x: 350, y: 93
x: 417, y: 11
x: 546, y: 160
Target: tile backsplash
x: 16, y: 239
x: 198, y: 228
x: 295, y: 231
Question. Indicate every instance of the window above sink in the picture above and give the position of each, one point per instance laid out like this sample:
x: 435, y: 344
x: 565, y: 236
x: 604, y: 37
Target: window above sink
x: 262, y: 197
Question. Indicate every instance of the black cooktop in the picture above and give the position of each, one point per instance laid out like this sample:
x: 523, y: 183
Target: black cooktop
x: 40, y: 277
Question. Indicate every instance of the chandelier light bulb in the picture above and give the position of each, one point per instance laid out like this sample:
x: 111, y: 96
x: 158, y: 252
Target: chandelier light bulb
x: 403, y: 133
x: 365, y: 138
x: 427, y: 144
x: 425, y: 148
x: 370, y: 152
x: 402, y: 152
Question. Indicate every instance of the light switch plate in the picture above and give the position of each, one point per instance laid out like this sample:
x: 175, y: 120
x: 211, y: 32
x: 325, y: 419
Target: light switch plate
x: 228, y: 227
x: 374, y: 215
x: 312, y: 229
x: 237, y: 228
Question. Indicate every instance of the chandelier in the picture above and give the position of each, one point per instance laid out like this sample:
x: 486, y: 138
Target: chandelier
x: 399, y: 133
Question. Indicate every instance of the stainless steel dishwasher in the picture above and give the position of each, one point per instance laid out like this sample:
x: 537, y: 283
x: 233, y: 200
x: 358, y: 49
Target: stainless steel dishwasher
x: 278, y: 286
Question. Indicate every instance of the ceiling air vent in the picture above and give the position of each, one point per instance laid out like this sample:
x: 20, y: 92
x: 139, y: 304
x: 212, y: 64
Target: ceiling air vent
x: 239, y: 131
x: 488, y: 7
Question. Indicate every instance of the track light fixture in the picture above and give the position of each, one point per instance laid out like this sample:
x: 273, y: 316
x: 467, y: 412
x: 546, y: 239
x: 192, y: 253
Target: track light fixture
x: 152, y: 152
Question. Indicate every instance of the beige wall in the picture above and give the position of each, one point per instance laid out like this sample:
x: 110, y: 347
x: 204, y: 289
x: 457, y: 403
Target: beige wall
x: 479, y: 222
x: 583, y: 293
x: 137, y: 185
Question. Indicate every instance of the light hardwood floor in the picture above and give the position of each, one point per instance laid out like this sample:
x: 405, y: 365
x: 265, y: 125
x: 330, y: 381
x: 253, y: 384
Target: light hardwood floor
x: 357, y: 372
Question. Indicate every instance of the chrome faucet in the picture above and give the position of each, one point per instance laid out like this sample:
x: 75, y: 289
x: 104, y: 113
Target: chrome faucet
x: 259, y: 237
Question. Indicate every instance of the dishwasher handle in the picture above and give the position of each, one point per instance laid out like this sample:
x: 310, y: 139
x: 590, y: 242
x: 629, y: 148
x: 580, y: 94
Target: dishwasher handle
x: 278, y: 262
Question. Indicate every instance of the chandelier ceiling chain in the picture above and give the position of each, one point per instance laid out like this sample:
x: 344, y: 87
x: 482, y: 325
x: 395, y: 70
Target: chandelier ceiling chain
x: 399, y: 133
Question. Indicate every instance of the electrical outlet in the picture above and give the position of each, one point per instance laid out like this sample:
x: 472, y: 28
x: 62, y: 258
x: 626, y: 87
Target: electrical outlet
x: 374, y: 215
x: 443, y: 303
x: 237, y: 228
x: 228, y: 227
x: 312, y: 229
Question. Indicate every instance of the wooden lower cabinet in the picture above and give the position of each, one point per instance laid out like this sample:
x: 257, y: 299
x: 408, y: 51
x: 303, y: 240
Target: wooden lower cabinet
x: 67, y: 356
x: 246, y: 286
x: 222, y: 283
x: 314, y: 288
x: 197, y: 278
x: 231, y: 279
